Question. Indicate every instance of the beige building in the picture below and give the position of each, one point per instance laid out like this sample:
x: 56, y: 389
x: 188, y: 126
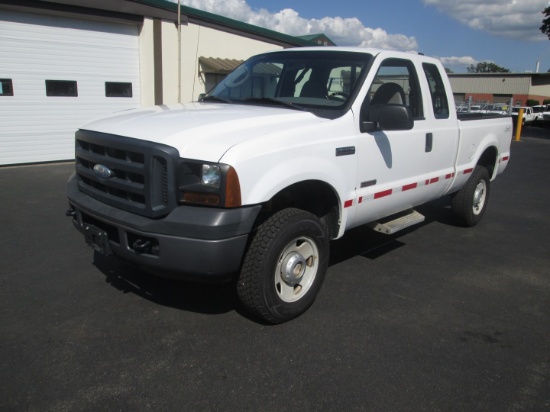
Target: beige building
x: 501, y: 87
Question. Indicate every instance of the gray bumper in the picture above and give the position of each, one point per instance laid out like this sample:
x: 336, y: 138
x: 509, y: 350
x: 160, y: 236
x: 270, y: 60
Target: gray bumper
x: 199, y: 243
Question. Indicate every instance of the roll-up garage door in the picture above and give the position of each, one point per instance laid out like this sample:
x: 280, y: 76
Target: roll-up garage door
x: 57, y: 73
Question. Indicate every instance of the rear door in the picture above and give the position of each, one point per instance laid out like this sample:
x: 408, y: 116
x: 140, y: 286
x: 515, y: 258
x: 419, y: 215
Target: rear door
x: 445, y: 131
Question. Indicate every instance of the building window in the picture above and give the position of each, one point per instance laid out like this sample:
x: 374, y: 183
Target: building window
x: 118, y: 89
x: 61, y: 88
x: 6, y: 87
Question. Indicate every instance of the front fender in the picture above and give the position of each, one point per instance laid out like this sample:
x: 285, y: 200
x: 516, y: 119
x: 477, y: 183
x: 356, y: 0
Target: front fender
x: 277, y: 176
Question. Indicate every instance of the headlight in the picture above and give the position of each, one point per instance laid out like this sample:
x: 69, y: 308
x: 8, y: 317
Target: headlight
x: 210, y: 184
x: 211, y: 176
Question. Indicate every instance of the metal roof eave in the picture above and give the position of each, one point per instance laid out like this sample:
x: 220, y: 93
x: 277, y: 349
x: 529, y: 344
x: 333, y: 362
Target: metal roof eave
x: 163, y: 9
x: 216, y: 21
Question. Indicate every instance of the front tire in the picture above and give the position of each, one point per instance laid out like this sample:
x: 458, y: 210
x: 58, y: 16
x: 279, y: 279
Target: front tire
x: 470, y: 202
x: 284, y: 266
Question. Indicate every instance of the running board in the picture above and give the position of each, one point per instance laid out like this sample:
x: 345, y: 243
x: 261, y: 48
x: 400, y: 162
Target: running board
x: 412, y: 217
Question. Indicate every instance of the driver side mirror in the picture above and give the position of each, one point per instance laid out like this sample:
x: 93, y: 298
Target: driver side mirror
x: 388, y: 117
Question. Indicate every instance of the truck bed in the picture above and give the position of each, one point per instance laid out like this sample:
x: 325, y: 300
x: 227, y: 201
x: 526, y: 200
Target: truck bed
x: 477, y: 116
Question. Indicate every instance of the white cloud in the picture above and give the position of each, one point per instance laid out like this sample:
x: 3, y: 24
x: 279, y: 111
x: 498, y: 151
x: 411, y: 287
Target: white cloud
x: 343, y: 31
x: 490, y: 15
x: 465, y: 61
x: 516, y: 19
x: 459, y: 63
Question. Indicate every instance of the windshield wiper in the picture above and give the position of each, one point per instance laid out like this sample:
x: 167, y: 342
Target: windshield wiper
x: 212, y: 98
x: 271, y: 100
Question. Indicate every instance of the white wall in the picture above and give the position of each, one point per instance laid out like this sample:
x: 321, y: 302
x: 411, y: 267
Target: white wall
x: 147, y: 63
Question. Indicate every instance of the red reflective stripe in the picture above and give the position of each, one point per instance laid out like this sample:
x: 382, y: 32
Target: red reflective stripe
x: 383, y: 194
x: 411, y: 186
x: 505, y: 158
x: 348, y: 203
x: 449, y: 176
x: 435, y: 179
x: 468, y: 171
x: 361, y: 199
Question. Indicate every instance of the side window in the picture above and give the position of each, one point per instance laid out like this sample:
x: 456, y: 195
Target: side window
x: 396, y: 82
x: 61, y: 88
x: 6, y: 87
x: 118, y: 89
x: 437, y: 91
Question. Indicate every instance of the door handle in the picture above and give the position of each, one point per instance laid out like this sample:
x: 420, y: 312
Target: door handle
x: 429, y: 142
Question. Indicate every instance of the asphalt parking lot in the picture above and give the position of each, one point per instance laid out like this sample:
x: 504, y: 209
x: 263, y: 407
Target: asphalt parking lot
x: 439, y: 318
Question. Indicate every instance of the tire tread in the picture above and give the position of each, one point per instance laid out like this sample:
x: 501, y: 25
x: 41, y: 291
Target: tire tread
x: 248, y: 287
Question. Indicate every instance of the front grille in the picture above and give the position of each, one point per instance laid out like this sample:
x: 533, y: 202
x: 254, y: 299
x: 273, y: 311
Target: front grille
x: 142, y: 173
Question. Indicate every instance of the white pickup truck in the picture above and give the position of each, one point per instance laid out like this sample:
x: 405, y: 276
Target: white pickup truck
x: 291, y: 150
x: 529, y: 116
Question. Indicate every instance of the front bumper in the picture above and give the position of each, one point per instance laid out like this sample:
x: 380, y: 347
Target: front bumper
x: 200, y: 243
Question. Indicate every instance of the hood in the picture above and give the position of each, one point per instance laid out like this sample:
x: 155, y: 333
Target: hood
x: 203, y: 131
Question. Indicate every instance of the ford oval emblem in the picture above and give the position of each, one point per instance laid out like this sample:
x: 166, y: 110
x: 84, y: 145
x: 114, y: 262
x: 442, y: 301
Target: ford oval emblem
x: 102, y: 171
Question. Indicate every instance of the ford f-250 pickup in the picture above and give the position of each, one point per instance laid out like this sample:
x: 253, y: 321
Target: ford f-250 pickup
x: 291, y: 150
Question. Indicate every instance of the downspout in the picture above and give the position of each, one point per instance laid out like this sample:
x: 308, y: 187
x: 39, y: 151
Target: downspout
x: 179, y: 51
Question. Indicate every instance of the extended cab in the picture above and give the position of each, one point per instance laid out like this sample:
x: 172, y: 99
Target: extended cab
x: 291, y: 150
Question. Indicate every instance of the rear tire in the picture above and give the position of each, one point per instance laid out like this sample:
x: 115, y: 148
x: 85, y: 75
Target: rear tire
x: 470, y: 202
x: 284, y: 266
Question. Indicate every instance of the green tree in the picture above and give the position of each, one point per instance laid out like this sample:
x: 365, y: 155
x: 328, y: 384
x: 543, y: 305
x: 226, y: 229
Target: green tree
x: 545, y: 28
x: 486, y: 67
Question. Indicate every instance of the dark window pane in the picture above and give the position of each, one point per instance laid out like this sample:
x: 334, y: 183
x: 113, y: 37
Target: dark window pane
x: 118, y: 89
x: 61, y: 88
x: 6, y: 87
x: 437, y: 91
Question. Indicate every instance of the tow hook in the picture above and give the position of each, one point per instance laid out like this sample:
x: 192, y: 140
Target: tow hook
x: 142, y: 246
x: 70, y: 213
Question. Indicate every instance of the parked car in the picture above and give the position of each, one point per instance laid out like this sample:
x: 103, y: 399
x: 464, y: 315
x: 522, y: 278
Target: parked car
x: 528, y: 115
x: 539, y: 111
x: 545, y: 120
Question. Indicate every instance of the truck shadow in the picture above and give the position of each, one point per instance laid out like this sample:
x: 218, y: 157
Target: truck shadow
x: 222, y: 298
x: 365, y: 242
x: 188, y: 296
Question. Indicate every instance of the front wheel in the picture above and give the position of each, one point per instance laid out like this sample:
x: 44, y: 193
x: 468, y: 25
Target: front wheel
x: 470, y: 202
x: 284, y: 266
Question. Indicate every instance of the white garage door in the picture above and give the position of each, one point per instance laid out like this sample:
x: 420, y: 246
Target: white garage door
x: 57, y: 73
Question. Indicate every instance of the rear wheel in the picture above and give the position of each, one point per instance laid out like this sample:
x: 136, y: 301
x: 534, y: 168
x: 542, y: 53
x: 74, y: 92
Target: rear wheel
x: 470, y: 202
x: 284, y: 266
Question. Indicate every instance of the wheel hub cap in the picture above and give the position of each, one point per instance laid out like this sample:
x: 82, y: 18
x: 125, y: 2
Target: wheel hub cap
x: 293, y: 268
x: 479, y: 196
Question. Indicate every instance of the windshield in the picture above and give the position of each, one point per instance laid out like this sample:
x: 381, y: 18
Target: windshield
x: 323, y: 82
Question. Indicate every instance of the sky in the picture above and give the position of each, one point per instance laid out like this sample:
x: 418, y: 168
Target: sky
x: 458, y: 32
